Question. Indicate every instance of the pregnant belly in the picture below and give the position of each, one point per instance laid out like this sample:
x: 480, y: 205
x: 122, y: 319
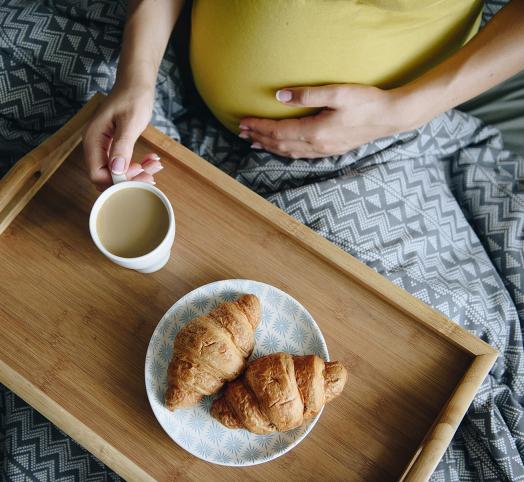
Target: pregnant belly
x: 242, y: 51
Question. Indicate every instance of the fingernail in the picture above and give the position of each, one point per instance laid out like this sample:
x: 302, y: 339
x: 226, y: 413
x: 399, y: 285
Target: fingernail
x: 155, y: 169
x: 118, y: 164
x: 132, y: 173
x: 244, y: 135
x: 155, y: 157
x: 284, y: 95
x: 256, y: 145
x: 153, y: 182
x: 147, y: 161
x: 243, y: 126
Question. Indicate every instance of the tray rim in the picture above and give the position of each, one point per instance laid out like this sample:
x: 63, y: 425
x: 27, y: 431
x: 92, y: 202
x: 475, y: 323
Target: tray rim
x: 27, y: 176
x: 436, y: 441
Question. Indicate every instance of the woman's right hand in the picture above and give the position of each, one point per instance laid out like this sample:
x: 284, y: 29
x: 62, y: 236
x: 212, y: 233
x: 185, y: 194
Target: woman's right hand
x: 110, y: 137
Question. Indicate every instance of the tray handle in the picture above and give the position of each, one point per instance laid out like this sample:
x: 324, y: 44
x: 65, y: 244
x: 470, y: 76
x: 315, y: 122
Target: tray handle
x: 15, y: 179
x: 32, y: 171
x: 441, y: 433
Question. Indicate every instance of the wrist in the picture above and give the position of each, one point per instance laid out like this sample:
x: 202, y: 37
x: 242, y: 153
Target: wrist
x: 134, y: 89
x: 412, y: 107
x: 136, y: 94
x: 136, y: 74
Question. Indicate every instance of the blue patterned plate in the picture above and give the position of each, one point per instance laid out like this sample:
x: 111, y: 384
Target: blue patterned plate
x: 285, y: 326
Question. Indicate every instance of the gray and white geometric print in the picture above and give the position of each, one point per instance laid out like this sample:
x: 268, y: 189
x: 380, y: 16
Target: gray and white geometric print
x: 53, y: 57
x: 33, y: 449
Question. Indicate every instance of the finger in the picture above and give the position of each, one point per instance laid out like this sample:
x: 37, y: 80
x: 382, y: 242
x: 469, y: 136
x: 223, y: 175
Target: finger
x: 297, y: 149
x: 301, y: 129
x: 297, y: 154
x: 152, y: 166
x: 107, y: 147
x: 151, y: 156
x: 319, y: 96
x: 94, y: 144
x: 107, y: 140
x: 125, y: 136
x: 286, y: 148
x: 134, y: 170
x: 144, y: 177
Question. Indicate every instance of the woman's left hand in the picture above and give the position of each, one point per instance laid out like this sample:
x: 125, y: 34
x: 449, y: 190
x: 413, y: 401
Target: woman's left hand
x: 350, y: 115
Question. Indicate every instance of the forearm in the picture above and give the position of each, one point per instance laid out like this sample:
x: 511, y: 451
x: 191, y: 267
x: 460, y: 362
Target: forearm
x: 148, y: 28
x: 492, y: 56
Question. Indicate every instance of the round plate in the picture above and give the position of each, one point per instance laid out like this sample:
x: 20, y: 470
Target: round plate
x: 285, y: 326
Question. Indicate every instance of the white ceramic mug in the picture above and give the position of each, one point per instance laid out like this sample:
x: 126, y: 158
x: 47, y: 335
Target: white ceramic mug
x: 152, y: 261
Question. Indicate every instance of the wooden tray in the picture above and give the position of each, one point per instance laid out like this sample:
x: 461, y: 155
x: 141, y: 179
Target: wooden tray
x: 74, y: 327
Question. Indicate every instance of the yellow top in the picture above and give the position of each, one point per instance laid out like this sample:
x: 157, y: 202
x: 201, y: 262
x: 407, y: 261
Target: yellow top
x: 242, y: 51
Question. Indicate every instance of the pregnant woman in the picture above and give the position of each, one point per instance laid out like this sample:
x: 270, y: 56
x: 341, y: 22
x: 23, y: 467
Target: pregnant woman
x: 340, y: 112
x: 342, y: 109
x: 366, y: 70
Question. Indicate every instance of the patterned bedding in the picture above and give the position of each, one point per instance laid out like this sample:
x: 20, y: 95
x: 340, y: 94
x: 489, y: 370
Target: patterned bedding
x: 439, y: 211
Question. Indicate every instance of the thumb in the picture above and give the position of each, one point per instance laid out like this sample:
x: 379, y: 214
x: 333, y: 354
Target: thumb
x: 124, y: 139
x: 320, y: 96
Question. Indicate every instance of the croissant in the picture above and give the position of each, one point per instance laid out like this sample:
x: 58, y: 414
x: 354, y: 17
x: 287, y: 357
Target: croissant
x: 211, y: 350
x: 279, y: 392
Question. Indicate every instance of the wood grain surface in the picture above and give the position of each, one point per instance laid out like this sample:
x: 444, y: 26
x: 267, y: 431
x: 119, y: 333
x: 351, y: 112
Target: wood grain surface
x: 31, y: 172
x: 75, y: 329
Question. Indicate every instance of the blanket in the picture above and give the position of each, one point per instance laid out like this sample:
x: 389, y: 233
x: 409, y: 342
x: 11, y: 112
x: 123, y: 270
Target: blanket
x: 438, y: 211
